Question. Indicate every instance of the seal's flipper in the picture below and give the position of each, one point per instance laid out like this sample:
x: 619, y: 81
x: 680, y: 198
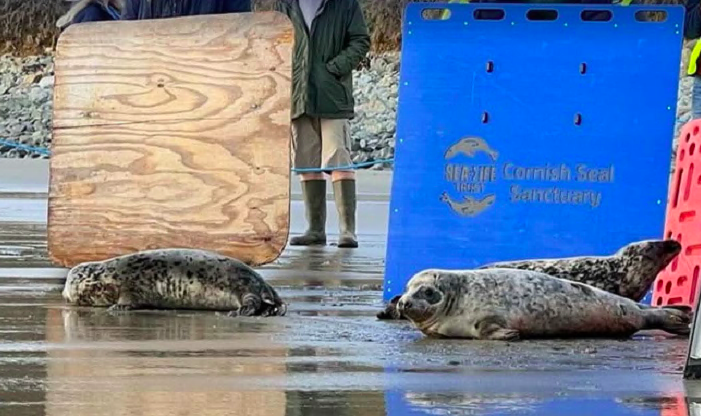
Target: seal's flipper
x: 673, y: 319
x: 123, y: 304
x: 504, y: 334
x: 494, y: 328
x: 120, y: 308
x: 251, y: 305
x: 247, y: 311
x: 682, y: 308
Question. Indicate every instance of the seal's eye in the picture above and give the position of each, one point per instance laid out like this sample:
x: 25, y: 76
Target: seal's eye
x: 429, y: 292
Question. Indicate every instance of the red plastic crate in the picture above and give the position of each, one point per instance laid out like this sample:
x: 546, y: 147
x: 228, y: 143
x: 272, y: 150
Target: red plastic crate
x: 678, y: 283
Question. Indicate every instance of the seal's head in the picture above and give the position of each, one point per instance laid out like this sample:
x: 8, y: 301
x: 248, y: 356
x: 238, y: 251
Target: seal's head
x: 391, y: 312
x: 90, y: 284
x: 424, y: 297
x: 654, y: 255
x: 271, y: 304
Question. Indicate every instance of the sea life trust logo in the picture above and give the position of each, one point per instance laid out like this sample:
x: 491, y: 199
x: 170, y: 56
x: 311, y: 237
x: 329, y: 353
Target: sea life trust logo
x: 574, y: 184
x: 470, y: 178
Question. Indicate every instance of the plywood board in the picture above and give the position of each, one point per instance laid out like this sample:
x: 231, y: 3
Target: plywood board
x: 172, y: 133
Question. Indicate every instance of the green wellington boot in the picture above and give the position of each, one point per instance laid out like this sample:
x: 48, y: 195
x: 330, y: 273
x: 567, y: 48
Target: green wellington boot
x: 314, y: 193
x: 344, y: 194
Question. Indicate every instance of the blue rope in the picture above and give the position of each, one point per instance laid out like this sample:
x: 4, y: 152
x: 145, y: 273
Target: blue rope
x: 45, y: 151
x: 347, y: 167
x: 41, y: 150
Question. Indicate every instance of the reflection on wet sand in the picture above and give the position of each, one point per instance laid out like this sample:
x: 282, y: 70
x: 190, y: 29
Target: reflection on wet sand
x: 153, y: 364
x: 342, y: 403
x: 450, y: 404
x: 336, y: 403
x: 329, y: 356
x: 22, y: 369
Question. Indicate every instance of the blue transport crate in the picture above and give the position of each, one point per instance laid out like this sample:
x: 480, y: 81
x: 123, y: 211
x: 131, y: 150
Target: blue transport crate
x: 530, y: 131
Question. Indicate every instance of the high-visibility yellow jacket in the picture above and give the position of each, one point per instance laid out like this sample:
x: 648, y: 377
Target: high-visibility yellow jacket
x: 694, y: 57
x: 446, y: 12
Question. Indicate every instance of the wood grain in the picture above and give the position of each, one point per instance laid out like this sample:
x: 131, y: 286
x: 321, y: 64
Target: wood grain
x: 172, y: 133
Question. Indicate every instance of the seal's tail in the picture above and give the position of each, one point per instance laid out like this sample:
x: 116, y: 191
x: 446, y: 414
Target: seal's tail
x: 673, y: 319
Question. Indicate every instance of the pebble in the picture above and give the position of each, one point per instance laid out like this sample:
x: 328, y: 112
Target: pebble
x: 25, y: 104
x: 375, y: 94
x: 46, y: 82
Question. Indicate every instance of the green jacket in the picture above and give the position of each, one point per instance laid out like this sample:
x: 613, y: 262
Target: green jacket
x: 324, y: 58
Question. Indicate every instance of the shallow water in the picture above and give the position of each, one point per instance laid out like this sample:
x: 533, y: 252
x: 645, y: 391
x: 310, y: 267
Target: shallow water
x: 328, y: 356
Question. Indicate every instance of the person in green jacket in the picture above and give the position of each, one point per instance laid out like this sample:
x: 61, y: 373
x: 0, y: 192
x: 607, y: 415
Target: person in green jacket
x: 331, y: 38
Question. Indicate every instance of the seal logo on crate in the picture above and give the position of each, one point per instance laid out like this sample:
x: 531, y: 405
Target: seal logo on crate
x: 470, y: 179
x: 547, y: 183
x: 469, y: 146
x: 469, y: 206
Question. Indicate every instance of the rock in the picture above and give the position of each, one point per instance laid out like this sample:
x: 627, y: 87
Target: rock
x: 375, y: 95
x: 25, y: 104
x: 47, y: 82
x: 31, y: 79
x: 17, y: 129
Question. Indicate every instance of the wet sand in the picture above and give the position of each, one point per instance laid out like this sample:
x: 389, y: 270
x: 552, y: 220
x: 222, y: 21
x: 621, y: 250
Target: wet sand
x: 328, y: 356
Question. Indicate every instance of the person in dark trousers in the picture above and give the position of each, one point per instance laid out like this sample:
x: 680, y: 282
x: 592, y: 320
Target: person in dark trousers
x: 331, y: 38
x: 91, y: 11
x: 160, y: 9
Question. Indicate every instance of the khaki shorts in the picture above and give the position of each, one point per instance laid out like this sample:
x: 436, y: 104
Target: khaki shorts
x: 320, y: 143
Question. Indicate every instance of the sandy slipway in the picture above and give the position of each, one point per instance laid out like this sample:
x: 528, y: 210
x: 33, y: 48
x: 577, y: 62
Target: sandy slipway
x: 26, y: 106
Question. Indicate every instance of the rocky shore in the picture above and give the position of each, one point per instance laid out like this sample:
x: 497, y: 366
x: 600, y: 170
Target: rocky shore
x: 26, y: 107
x: 25, y: 104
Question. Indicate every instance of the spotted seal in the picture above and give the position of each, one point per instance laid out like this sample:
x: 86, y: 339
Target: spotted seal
x: 173, y: 279
x: 512, y: 304
x: 630, y: 272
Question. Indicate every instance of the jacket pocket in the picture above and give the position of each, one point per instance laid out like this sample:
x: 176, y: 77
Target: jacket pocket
x: 332, y: 92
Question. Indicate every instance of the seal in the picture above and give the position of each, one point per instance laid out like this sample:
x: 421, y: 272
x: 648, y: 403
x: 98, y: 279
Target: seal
x: 173, y: 279
x: 630, y: 272
x: 511, y: 304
